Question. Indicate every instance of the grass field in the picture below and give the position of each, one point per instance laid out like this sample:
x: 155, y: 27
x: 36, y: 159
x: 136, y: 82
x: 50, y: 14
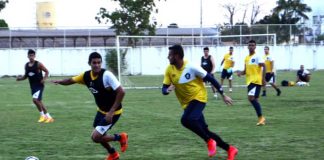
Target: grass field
x: 295, y: 128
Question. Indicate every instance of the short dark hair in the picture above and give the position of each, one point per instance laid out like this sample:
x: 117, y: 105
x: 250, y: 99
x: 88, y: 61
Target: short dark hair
x: 266, y: 47
x: 206, y: 48
x: 94, y: 55
x: 252, y: 41
x: 231, y: 47
x: 177, y: 49
x: 30, y: 51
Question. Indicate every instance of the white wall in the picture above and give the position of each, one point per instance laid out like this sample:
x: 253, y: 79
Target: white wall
x: 153, y: 60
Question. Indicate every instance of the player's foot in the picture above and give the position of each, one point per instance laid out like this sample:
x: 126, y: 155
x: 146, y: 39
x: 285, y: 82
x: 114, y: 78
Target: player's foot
x: 231, y: 153
x: 211, y: 145
x: 42, y: 119
x: 264, y: 94
x: 278, y: 92
x: 230, y: 90
x: 123, y: 141
x: 261, y: 121
x: 49, y: 120
x: 215, y: 95
x: 114, y: 156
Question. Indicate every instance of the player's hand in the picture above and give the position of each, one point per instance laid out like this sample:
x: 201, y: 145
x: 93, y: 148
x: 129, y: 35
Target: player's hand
x: 228, y: 100
x: 19, y: 77
x: 171, y: 88
x: 109, y: 117
x: 42, y: 81
x: 55, y: 82
x: 264, y: 82
x: 239, y: 73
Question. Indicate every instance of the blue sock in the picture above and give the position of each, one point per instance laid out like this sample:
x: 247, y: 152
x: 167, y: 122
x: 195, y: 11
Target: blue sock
x: 117, y: 137
x: 257, y: 107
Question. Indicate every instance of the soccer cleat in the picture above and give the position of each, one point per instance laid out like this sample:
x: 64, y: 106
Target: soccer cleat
x: 211, y: 145
x: 215, y: 95
x: 231, y: 153
x: 261, y: 121
x: 264, y: 94
x: 114, y: 156
x: 49, y: 120
x: 278, y: 92
x: 230, y: 90
x: 123, y: 141
x: 42, y: 119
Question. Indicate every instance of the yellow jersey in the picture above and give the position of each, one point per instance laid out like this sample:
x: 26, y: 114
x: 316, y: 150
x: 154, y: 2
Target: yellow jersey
x: 252, y: 69
x: 268, y: 60
x: 188, y: 82
x: 228, y: 61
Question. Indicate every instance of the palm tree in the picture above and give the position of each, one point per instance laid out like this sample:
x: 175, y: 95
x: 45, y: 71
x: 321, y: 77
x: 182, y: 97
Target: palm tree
x: 291, y: 11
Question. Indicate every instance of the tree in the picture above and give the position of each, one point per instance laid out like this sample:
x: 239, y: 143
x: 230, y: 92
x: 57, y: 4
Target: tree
x: 3, y: 23
x: 132, y: 18
x: 231, y: 12
x: 291, y: 11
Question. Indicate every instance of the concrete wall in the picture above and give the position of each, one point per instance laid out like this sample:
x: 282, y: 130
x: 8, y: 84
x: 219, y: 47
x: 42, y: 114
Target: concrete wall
x: 153, y: 60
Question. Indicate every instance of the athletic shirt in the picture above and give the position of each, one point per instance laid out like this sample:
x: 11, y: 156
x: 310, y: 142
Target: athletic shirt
x: 33, y: 73
x: 228, y: 61
x: 253, y: 70
x: 267, y: 62
x: 188, y: 82
x: 103, y: 87
x: 206, y: 64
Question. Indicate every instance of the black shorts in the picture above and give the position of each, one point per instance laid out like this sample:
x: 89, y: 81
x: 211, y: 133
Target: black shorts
x: 101, y: 121
x: 226, y: 74
x: 270, y: 77
x: 303, y: 78
x: 254, y: 90
x: 37, y: 91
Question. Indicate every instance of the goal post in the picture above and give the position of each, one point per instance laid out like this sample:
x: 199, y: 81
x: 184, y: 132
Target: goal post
x: 142, y: 60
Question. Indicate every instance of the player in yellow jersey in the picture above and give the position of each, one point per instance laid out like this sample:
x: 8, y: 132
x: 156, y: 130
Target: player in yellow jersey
x: 254, y: 69
x: 188, y: 82
x: 270, y: 76
x: 227, y: 72
x: 108, y: 94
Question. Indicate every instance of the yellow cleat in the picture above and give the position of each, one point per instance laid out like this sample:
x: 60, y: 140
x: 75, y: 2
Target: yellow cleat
x: 261, y: 121
x: 42, y: 119
x: 49, y: 120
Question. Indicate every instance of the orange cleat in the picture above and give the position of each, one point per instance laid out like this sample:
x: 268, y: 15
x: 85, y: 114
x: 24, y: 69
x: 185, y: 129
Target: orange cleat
x: 123, y: 141
x: 211, y: 145
x: 114, y: 156
x: 231, y: 153
x: 261, y: 121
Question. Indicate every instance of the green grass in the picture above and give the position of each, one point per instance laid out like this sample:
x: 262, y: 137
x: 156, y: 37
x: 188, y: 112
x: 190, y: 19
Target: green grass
x: 294, y: 130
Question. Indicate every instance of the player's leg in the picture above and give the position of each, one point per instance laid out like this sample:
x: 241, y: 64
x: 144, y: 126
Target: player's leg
x: 36, y: 92
x: 253, y: 95
x: 272, y: 82
x: 230, y: 78
x: 264, y: 88
x: 191, y: 120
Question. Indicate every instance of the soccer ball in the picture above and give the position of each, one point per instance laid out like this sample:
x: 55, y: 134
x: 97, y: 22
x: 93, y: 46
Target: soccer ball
x: 31, y: 158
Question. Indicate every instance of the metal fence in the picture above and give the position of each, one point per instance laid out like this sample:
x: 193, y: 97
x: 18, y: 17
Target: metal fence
x: 102, y: 37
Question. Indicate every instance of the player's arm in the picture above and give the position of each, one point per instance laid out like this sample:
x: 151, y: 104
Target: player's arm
x: 213, y: 63
x: 241, y: 73
x: 167, y: 86
x: 271, y: 64
x: 44, y: 69
x: 263, y: 72
x: 69, y: 81
x: 219, y: 88
x: 20, y: 77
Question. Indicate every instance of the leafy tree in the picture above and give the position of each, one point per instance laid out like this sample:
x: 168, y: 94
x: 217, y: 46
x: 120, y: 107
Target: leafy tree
x: 3, y: 4
x: 3, y: 23
x: 132, y: 18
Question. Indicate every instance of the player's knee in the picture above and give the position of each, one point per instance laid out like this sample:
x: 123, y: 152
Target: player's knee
x: 251, y: 98
x: 96, y: 138
x: 184, y: 121
x: 36, y: 101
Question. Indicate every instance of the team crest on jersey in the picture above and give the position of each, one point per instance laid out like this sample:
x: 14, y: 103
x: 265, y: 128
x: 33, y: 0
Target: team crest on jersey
x: 187, y: 75
x: 253, y: 60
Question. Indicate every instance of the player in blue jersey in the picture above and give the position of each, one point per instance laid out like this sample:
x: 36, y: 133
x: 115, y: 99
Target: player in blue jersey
x: 34, y: 72
x: 108, y: 94
x: 187, y: 81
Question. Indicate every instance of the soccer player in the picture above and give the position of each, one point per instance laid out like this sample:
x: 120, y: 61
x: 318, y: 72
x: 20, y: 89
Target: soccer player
x: 254, y: 69
x: 188, y: 82
x: 270, y: 76
x: 108, y: 94
x: 303, y: 76
x: 227, y: 72
x: 34, y: 72
x: 208, y: 64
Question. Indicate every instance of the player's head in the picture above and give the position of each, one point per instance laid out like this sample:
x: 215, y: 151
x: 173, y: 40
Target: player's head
x: 206, y: 51
x: 266, y: 49
x: 31, y: 55
x: 252, y: 46
x: 175, y: 53
x: 302, y: 67
x: 95, y: 61
x: 231, y: 50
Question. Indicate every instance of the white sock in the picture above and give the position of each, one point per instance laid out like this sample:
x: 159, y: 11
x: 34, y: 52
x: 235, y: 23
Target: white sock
x: 42, y: 113
x: 48, y: 115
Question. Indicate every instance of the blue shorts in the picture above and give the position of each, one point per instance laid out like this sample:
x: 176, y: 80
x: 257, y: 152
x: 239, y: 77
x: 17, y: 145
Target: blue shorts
x: 37, y: 91
x: 101, y: 124
x: 226, y: 74
x: 254, y: 90
x: 270, y: 77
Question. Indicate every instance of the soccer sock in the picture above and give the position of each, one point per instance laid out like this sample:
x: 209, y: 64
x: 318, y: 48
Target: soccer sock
x: 111, y: 150
x: 48, y: 115
x: 257, y: 107
x: 219, y: 140
x: 117, y: 137
x: 42, y: 113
